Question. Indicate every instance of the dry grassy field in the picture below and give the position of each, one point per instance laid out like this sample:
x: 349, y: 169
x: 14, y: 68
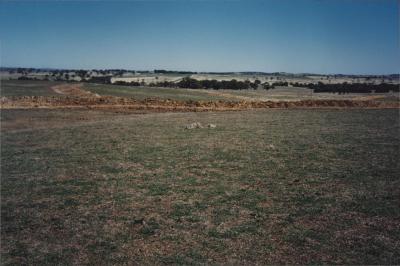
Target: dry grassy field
x: 44, y: 88
x: 266, y: 186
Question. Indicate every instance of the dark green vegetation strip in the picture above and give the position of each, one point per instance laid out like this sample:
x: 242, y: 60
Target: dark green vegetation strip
x: 272, y: 186
x: 27, y: 88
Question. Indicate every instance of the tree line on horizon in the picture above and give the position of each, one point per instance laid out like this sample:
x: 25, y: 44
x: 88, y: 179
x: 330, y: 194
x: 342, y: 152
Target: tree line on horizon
x: 345, y: 87
x: 190, y: 83
x: 234, y: 84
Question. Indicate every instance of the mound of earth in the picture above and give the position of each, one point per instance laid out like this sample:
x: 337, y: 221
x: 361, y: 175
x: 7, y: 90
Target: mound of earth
x: 174, y: 105
x: 73, y: 95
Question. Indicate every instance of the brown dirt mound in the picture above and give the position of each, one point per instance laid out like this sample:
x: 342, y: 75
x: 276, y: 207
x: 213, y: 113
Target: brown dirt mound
x: 174, y: 105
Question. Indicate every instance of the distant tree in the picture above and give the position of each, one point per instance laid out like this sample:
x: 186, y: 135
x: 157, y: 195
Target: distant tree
x: 266, y: 86
x: 161, y: 71
x: 81, y: 73
x: 255, y: 84
x: 188, y: 82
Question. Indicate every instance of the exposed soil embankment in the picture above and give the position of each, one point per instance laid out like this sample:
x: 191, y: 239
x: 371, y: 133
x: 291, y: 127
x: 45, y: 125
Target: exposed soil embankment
x: 110, y: 102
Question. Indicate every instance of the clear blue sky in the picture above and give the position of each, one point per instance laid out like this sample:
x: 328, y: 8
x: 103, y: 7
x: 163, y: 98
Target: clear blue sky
x: 319, y: 36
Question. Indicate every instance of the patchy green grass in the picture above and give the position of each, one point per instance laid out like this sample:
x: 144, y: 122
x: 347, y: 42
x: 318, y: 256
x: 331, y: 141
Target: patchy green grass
x: 266, y: 187
x: 154, y: 92
x: 277, y: 94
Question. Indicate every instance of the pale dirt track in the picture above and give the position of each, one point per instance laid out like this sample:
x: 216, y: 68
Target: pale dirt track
x: 73, y: 90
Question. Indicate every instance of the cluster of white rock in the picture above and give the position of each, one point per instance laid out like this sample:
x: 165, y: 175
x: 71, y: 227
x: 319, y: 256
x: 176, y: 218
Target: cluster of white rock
x: 199, y: 125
